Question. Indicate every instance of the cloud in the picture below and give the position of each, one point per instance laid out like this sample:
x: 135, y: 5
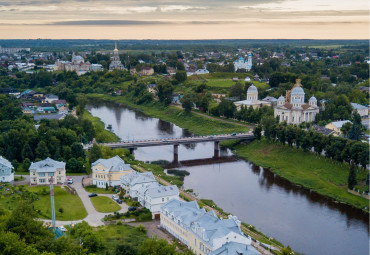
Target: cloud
x: 106, y: 22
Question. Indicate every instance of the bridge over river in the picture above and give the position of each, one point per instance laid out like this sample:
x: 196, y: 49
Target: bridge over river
x: 132, y: 145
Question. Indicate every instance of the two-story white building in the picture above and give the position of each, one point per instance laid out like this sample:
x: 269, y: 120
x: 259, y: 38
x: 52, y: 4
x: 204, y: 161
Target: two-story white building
x: 201, y: 231
x: 42, y: 171
x: 6, y: 170
x: 109, y: 171
x: 132, y: 182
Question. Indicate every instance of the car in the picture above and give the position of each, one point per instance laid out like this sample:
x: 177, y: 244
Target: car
x: 70, y: 181
x: 119, y: 201
x: 132, y: 208
x: 233, y: 134
x: 62, y: 228
x: 93, y: 195
x: 114, y: 197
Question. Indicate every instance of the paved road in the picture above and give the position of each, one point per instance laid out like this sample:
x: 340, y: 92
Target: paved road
x: 94, y: 217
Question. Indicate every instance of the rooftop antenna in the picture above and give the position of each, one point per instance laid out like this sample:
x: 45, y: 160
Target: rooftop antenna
x: 52, y: 203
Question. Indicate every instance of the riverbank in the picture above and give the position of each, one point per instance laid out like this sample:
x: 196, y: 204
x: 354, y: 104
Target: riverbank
x: 194, y: 123
x: 304, y: 169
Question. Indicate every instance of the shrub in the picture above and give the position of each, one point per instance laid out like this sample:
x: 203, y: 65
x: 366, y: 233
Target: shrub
x: 141, y: 228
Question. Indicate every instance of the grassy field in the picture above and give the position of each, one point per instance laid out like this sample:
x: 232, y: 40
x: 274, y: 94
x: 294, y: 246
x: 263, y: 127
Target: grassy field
x: 102, y: 135
x: 94, y: 189
x: 194, y: 123
x: 320, y: 175
x: 105, y: 204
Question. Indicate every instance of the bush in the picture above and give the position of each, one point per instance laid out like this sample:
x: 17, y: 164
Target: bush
x: 141, y: 228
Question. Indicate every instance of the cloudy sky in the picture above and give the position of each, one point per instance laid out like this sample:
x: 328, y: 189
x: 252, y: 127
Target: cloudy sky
x: 186, y: 19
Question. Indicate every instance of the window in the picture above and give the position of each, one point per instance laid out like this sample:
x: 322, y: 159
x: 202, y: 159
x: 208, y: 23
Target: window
x: 59, y: 172
x: 42, y: 180
x: 162, y: 199
x: 41, y: 174
x: 51, y: 174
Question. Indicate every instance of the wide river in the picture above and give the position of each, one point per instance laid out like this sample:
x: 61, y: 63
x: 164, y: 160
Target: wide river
x: 309, y: 223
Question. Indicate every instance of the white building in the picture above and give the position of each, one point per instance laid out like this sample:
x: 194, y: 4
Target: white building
x: 296, y: 111
x: 42, y: 171
x: 132, y: 182
x: 360, y: 109
x: 243, y: 64
x: 201, y: 231
x: 6, y: 170
x: 201, y: 71
x: 116, y: 62
x: 252, y: 99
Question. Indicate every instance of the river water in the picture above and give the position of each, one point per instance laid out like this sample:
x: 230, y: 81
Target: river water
x: 309, y: 223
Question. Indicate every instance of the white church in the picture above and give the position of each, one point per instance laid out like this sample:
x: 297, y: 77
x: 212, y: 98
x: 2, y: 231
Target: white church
x: 243, y: 64
x: 293, y: 109
x: 252, y: 99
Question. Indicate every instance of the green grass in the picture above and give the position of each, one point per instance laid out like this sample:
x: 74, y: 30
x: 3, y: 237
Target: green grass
x: 102, y: 135
x: 194, y: 123
x: 94, y: 189
x: 114, y: 235
x: 305, y: 169
x: 73, y: 208
x: 19, y: 178
x: 105, y: 204
x: 22, y: 173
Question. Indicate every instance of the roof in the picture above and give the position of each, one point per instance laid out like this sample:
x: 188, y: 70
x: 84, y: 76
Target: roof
x: 313, y: 98
x: 339, y: 124
x: 233, y: 248
x: 114, y: 164
x: 297, y: 91
x: 269, y: 99
x: 281, y: 98
x: 49, y: 117
x: 322, y: 130
x: 47, y: 165
x: 290, y: 106
x: 358, y: 106
x: 51, y: 96
x: 136, y: 178
x: 162, y: 191
x: 5, y: 162
x: 252, y: 88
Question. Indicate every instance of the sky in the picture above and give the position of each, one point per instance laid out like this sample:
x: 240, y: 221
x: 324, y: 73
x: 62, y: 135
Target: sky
x: 184, y: 19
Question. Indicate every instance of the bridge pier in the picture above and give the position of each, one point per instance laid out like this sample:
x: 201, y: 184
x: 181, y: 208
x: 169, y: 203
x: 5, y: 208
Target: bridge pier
x: 175, y: 153
x: 217, y: 149
x: 132, y: 151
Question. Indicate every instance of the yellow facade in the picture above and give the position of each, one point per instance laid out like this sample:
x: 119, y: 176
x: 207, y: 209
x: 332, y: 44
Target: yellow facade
x: 336, y: 130
x: 102, y: 176
x: 59, y: 177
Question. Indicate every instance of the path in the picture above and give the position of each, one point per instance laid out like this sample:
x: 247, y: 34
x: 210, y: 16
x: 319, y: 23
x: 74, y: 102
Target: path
x: 214, y: 118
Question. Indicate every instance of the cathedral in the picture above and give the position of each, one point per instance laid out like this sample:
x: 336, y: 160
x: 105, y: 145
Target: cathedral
x: 293, y: 109
x: 116, y: 62
x: 243, y: 64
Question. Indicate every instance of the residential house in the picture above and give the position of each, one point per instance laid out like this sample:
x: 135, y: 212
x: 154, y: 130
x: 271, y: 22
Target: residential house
x: 201, y: 231
x: 360, y: 109
x: 50, y: 98
x: 37, y: 118
x: 46, y: 109
x: 42, y: 171
x: 133, y: 70
x: 109, y: 171
x: 232, y: 248
x: 152, y: 88
x: 6, y: 170
x: 336, y: 126
x: 27, y: 110
x: 146, y: 71
x: 176, y: 98
x: 201, y: 71
x: 322, y: 130
x: 132, y: 182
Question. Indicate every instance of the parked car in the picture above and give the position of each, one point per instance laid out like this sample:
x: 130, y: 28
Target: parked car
x: 132, y: 208
x: 62, y: 228
x: 233, y: 134
x: 93, y: 195
x: 119, y: 201
x: 114, y: 197
x: 70, y: 181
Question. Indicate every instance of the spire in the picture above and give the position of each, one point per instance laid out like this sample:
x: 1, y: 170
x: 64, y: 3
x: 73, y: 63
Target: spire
x: 115, y: 45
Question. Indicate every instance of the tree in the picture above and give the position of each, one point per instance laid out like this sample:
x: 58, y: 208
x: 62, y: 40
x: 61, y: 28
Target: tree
x: 237, y: 90
x: 75, y: 166
x: 27, y: 152
x: 77, y: 150
x: 90, y: 240
x: 187, y: 103
x: 124, y: 249
x: 352, y: 177
x: 181, y: 76
x: 95, y: 153
x: 42, y: 151
x: 154, y: 246
x: 164, y: 92
x: 257, y: 132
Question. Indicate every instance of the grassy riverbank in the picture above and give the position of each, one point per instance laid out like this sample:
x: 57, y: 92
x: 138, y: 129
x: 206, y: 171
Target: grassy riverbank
x: 194, y: 123
x: 102, y: 135
x: 305, y: 169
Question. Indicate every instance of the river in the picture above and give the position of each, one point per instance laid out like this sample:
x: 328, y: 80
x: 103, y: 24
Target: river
x: 308, y: 222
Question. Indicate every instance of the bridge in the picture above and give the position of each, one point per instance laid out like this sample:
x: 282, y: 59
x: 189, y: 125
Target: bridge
x: 132, y: 145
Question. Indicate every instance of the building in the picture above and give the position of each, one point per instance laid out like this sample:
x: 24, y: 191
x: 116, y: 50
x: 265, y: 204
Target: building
x: 336, y: 126
x: 77, y: 65
x: 42, y: 171
x: 271, y: 100
x: 109, y: 171
x: 152, y: 88
x: 116, y: 62
x: 243, y: 64
x: 252, y: 99
x: 96, y: 67
x: 13, y: 50
x: 360, y: 109
x: 6, y: 171
x: 201, y: 71
x: 201, y: 231
x: 233, y: 248
x: 293, y: 109
x: 146, y: 71
x: 132, y: 182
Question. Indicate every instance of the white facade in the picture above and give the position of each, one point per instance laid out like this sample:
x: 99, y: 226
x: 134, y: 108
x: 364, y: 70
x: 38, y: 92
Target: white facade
x: 133, y: 182
x: 296, y: 111
x: 243, y: 64
x: 6, y: 171
x: 363, y: 111
x: 154, y: 198
x: 116, y: 62
x: 252, y: 99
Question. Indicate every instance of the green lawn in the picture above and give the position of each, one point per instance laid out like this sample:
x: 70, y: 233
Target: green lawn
x: 305, y: 169
x: 105, y: 204
x: 194, y: 123
x: 22, y: 173
x: 102, y: 135
x: 94, y: 189
x: 19, y: 178
x: 72, y: 206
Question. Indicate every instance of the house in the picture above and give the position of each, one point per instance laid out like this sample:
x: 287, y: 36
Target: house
x: 322, y: 130
x: 6, y: 170
x: 50, y: 98
x: 155, y: 195
x: 27, y: 110
x: 176, y: 98
x: 151, y: 88
x: 133, y: 70
x: 336, y: 126
x: 146, y: 71
x: 37, y: 118
x: 171, y: 70
x: 201, y: 71
x: 132, y: 182
x: 247, y: 79
x: 42, y: 171
x: 109, y: 171
x: 45, y: 109
x: 201, y: 231
x: 232, y: 248
x: 360, y: 109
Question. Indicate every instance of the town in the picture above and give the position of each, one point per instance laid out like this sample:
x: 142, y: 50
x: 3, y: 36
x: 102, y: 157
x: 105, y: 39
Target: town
x: 117, y: 134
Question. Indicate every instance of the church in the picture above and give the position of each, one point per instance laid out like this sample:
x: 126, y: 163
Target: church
x: 293, y: 109
x: 252, y: 99
x: 243, y: 64
x: 116, y: 62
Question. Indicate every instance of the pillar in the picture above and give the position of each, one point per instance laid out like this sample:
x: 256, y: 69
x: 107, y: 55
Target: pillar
x: 175, y: 153
x: 217, y: 149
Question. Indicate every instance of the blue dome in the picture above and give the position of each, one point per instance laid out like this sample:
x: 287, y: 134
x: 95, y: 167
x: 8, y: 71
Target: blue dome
x: 241, y: 58
x: 313, y: 99
x: 281, y: 98
x: 297, y: 91
x: 252, y: 88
